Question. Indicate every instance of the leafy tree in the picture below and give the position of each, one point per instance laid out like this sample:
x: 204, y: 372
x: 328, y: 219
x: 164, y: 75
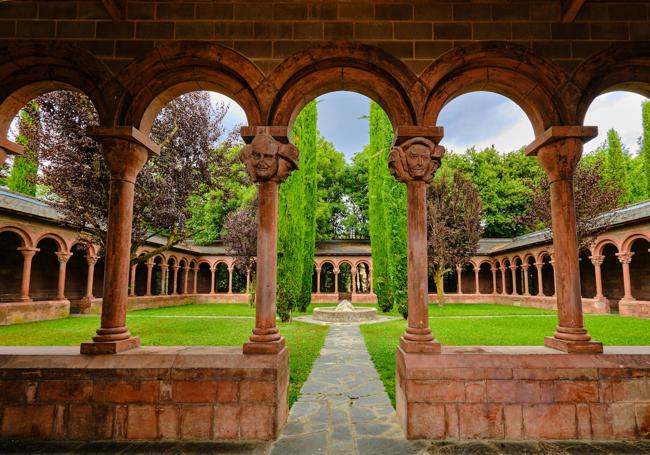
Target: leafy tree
x: 240, y: 239
x: 354, y: 178
x: 330, y: 208
x: 387, y: 210
x: 615, y: 166
x: 593, y: 195
x: 193, y: 144
x: 24, y: 172
x: 454, y: 212
x: 295, y: 222
x: 645, y: 147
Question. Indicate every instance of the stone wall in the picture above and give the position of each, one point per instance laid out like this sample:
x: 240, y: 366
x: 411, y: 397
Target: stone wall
x: 524, y: 393
x: 18, y: 312
x: 150, y: 393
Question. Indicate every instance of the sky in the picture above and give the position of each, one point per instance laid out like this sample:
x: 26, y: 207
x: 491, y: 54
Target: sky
x: 478, y: 119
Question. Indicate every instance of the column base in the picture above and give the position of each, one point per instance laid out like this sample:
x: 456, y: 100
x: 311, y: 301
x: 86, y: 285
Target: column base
x: 420, y: 347
x: 110, y: 347
x: 266, y: 347
x: 574, y: 347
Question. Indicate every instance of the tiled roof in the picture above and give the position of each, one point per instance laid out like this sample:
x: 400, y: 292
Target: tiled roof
x: 26, y: 205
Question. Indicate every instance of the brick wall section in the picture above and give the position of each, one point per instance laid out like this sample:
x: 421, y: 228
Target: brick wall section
x: 268, y: 32
x: 524, y: 393
x: 181, y: 393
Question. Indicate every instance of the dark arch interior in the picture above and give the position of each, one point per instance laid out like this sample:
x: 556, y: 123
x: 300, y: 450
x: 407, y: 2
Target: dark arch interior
x: 11, y: 266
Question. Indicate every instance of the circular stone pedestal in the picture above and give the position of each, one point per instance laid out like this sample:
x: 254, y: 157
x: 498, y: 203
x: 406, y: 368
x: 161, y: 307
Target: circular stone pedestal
x: 355, y: 315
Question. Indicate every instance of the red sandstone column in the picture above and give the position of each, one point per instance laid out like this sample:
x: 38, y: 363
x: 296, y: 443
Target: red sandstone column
x: 187, y: 276
x: 28, y: 255
x: 60, y: 288
x: 318, y: 269
x: 494, y: 279
x: 459, y: 279
x: 625, y: 259
x: 91, y: 260
x: 354, y: 282
x: 413, y: 160
x: 230, y: 270
x: 540, y: 283
x: 336, y: 281
x: 248, y: 281
x: 149, y: 273
x: 196, y: 279
x: 476, y: 286
x: 164, y: 279
x: 597, y: 261
x: 558, y: 150
x: 175, y: 279
x: 524, y: 268
x: 502, y: 268
x: 513, y: 272
x: 125, y: 150
x: 133, y: 271
x: 212, y: 281
x: 269, y: 159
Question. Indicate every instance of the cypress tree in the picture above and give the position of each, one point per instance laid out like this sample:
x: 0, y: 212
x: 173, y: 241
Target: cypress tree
x: 615, y: 166
x: 296, y: 219
x: 645, y: 146
x: 387, y: 210
x: 25, y: 168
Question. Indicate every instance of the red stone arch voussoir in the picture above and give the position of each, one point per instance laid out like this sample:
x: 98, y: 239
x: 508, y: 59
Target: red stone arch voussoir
x: 25, y: 239
x: 61, y: 243
x: 598, y: 248
x: 172, y: 69
x: 511, y: 70
x: 349, y: 66
x: 30, y: 69
x: 626, y: 246
x: 620, y: 67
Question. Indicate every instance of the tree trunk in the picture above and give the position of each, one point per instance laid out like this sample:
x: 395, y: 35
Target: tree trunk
x: 438, y: 277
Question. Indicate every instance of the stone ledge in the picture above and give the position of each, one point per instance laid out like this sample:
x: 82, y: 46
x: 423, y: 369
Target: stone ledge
x: 19, y: 312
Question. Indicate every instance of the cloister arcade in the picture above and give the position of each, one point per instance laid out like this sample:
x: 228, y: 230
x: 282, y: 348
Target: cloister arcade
x: 412, y: 59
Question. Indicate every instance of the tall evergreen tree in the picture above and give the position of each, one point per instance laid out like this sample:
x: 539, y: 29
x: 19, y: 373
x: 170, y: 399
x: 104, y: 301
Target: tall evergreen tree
x: 295, y: 222
x: 645, y: 146
x: 25, y: 168
x: 615, y: 166
x: 387, y: 209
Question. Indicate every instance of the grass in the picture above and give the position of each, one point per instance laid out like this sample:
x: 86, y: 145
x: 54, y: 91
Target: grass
x: 382, y: 339
x: 304, y: 340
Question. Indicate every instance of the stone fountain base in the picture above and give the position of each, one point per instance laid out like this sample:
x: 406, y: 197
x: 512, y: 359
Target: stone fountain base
x: 345, y: 312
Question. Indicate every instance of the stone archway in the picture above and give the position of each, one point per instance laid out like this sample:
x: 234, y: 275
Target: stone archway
x: 11, y: 266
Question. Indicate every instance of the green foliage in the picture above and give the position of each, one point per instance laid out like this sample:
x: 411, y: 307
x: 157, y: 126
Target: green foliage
x: 296, y: 222
x: 615, y: 166
x: 387, y: 210
x: 329, y: 205
x: 645, y: 148
x: 25, y: 168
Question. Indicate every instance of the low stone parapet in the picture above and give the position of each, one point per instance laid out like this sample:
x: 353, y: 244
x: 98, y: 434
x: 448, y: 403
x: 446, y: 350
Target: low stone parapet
x: 524, y: 393
x: 17, y: 312
x: 94, y: 306
x: 186, y: 393
x: 636, y: 308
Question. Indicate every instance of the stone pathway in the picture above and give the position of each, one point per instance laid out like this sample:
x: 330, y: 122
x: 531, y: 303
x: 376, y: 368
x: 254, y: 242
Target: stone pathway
x: 343, y: 408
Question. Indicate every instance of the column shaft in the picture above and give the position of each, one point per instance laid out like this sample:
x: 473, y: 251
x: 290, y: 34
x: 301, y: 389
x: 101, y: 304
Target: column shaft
x: 28, y: 255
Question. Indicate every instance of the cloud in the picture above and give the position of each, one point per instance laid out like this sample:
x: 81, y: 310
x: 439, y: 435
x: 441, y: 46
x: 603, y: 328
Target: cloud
x: 235, y: 116
x: 342, y: 119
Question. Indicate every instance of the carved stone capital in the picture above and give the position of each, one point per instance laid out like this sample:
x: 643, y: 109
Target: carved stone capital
x: 417, y: 159
x: 625, y: 258
x: 91, y: 260
x: 267, y: 159
x: 63, y: 257
x: 597, y: 260
x: 27, y: 252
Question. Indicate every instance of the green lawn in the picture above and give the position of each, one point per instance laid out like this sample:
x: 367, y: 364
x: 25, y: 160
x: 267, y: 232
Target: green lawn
x: 382, y: 339
x: 304, y: 340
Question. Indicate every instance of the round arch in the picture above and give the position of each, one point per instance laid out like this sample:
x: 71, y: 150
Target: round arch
x: 153, y: 80
x: 345, y: 66
x: 28, y: 70
x: 24, y: 237
x: 621, y: 67
x: 598, y: 247
x: 508, y: 69
x: 62, y: 244
x: 626, y: 246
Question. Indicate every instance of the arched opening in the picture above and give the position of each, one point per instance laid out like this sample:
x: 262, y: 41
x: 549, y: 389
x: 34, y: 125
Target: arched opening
x: 170, y: 284
x: 222, y: 278
x: 507, y: 272
x: 612, y: 275
x: 587, y: 276
x: 548, y: 277
x: 182, y: 271
x: 363, y: 278
x: 204, y: 279
x: 141, y: 273
x: 192, y: 278
x: 519, y: 277
x: 485, y: 283
x: 11, y: 266
x: 640, y: 269
x: 45, y: 271
x: 327, y: 278
x: 450, y: 282
x: 238, y: 280
x: 76, y: 275
x: 345, y: 280
x: 157, y: 282
x: 468, y: 280
x: 533, y: 282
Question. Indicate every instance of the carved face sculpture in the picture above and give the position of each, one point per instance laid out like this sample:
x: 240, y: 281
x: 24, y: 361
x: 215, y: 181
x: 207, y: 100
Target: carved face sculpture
x: 415, y: 159
x: 418, y: 159
x: 264, y: 156
x: 267, y: 159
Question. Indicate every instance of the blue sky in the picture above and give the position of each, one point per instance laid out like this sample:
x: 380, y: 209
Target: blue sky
x: 481, y: 119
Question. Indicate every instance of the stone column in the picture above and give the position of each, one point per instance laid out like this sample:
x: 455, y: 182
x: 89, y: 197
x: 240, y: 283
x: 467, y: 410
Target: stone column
x: 195, y: 283
x: 149, y: 273
x: 414, y: 159
x: 513, y: 272
x: 318, y: 269
x: 459, y: 279
x: 494, y: 279
x: 28, y: 255
x: 230, y: 270
x: 524, y: 269
x: 540, y: 283
x: 134, y: 269
x: 125, y: 150
x: 558, y: 150
x: 336, y: 281
x: 476, y: 279
x: 175, y: 278
x: 213, y: 279
x: 63, y: 262
x: 248, y: 281
x: 597, y: 262
x: 187, y: 277
x: 503, y: 279
x: 625, y: 259
x: 91, y: 260
x: 164, y: 268
x: 354, y: 281
x: 269, y: 159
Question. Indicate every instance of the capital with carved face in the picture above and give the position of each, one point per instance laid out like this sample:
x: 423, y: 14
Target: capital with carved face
x: 415, y: 160
x: 267, y: 159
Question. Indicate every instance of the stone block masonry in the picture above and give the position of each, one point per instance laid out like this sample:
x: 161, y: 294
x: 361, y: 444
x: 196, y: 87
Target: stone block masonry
x: 162, y: 393
x: 524, y: 393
